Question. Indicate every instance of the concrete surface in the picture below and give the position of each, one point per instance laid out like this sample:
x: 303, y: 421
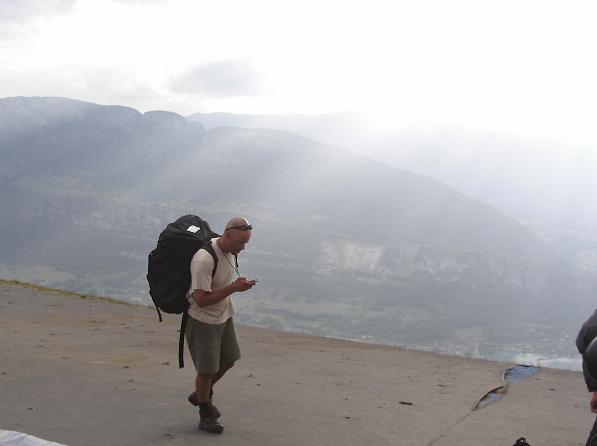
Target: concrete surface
x: 92, y: 372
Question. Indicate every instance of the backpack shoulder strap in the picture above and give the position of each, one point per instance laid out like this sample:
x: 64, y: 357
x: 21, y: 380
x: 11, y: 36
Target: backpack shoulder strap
x: 210, y: 249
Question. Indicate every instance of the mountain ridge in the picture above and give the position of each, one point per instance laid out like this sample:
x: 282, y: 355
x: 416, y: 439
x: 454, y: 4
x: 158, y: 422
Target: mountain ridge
x: 344, y: 246
x: 545, y: 185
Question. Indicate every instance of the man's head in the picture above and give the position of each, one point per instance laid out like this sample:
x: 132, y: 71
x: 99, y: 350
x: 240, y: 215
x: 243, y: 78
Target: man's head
x: 236, y: 235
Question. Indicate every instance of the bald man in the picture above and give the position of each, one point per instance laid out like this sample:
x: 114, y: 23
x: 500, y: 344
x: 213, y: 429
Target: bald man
x: 210, y: 331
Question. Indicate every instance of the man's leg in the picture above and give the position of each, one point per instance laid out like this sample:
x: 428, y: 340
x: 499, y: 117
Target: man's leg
x: 203, y: 384
x: 218, y: 375
x: 195, y: 397
x: 208, y: 420
x: 204, y: 342
x: 230, y: 353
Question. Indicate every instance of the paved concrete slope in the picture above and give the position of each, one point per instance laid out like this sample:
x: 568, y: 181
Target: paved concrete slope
x: 91, y: 372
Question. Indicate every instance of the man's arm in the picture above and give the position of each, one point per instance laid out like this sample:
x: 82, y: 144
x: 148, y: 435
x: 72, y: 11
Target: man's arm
x: 206, y: 298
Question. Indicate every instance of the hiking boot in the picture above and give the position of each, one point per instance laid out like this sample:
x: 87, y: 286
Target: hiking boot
x: 195, y: 402
x: 207, y: 421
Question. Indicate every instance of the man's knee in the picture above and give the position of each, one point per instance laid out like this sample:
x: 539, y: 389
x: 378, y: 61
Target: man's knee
x: 227, y: 366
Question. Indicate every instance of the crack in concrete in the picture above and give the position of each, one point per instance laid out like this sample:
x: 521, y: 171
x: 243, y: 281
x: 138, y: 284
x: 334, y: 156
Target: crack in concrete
x: 511, y: 375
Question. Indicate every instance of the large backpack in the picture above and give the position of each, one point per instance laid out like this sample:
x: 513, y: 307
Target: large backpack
x: 168, y: 268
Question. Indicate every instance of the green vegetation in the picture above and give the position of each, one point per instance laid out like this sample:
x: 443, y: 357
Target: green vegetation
x: 44, y: 289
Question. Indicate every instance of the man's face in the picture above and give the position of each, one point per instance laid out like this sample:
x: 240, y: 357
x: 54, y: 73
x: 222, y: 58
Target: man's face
x: 238, y: 240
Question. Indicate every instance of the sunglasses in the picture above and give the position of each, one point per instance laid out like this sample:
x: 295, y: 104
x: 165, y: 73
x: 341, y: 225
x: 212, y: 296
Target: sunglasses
x: 241, y: 228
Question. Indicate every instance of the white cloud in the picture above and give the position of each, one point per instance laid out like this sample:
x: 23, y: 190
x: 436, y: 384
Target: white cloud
x: 222, y: 79
x: 21, y: 10
x: 512, y: 66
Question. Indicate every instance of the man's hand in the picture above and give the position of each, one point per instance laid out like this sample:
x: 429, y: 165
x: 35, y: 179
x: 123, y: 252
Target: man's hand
x: 242, y: 284
x: 206, y: 298
x: 594, y: 402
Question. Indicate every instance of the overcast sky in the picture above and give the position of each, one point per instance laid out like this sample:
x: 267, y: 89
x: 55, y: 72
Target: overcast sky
x: 521, y: 67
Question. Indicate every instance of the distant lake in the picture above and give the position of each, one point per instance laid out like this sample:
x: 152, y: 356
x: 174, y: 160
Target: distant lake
x: 540, y: 360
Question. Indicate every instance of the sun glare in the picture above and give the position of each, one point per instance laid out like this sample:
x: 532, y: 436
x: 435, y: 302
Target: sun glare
x: 463, y: 64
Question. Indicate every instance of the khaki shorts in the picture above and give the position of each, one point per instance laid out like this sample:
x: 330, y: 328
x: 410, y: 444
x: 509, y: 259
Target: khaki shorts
x: 212, y: 345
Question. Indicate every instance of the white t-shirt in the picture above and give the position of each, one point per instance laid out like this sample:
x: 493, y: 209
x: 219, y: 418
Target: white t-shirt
x: 202, y: 265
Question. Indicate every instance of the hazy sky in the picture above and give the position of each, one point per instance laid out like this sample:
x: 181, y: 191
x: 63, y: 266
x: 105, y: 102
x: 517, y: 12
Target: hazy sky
x: 522, y: 67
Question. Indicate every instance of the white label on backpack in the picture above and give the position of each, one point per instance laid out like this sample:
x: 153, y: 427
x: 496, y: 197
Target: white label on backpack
x: 193, y: 229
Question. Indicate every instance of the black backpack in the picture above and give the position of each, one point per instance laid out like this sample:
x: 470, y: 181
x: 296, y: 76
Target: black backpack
x: 168, y: 268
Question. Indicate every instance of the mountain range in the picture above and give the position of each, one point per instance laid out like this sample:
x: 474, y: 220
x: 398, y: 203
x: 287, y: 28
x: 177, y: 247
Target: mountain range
x: 343, y: 245
x: 547, y: 185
